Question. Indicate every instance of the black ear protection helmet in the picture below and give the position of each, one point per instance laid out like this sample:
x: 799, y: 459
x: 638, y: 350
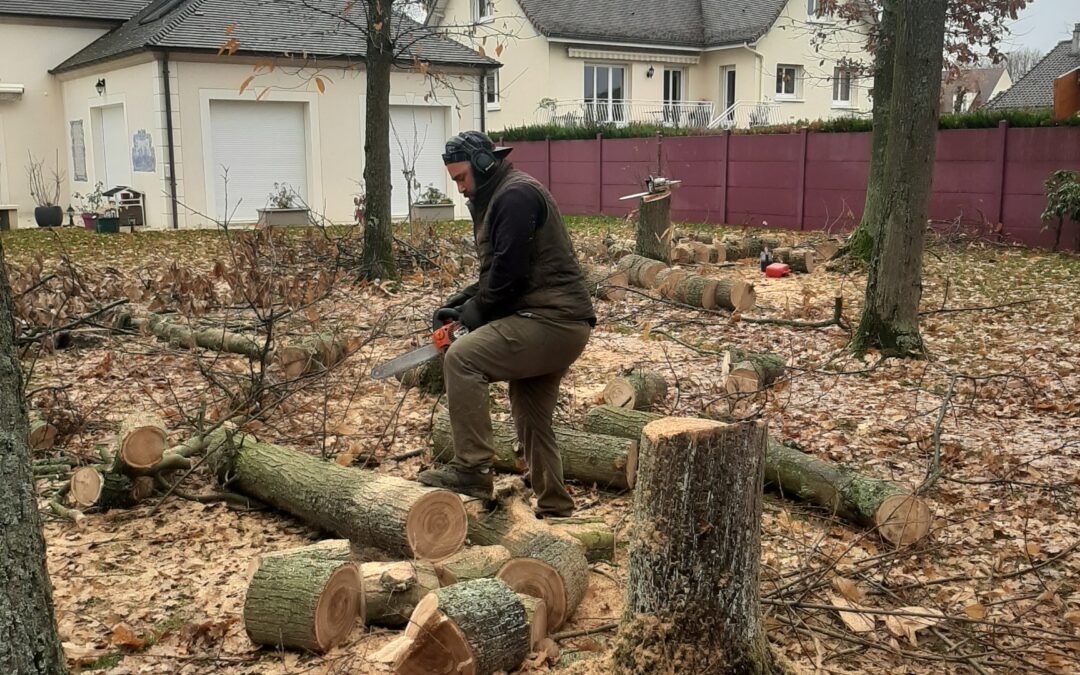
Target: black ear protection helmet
x: 475, y: 148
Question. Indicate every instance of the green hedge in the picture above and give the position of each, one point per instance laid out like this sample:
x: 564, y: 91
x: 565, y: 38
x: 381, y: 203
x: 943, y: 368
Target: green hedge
x: 980, y: 119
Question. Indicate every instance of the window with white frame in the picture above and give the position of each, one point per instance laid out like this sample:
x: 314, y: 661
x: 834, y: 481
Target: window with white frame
x: 605, y: 93
x: 483, y: 10
x: 788, y: 81
x: 841, y: 87
x: 815, y: 6
x: 491, y: 90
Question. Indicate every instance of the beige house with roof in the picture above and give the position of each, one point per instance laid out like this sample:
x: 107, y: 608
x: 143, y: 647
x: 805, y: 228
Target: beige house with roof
x: 694, y: 63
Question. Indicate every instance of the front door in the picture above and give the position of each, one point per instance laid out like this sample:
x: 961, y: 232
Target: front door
x: 673, y: 96
x: 727, y: 90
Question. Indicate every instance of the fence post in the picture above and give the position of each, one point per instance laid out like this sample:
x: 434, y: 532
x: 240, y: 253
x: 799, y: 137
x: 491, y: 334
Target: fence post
x: 800, y: 221
x: 547, y: 162
x: 724, y: 177
x: 999, y: 188
x: 600, y: 174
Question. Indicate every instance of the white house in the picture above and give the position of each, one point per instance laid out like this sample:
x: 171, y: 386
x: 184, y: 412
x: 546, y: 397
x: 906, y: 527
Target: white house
x: 170, y: 97
x: 674, y: 62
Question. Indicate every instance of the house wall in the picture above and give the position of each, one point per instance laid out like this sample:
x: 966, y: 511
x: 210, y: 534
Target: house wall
x: 35, y: 122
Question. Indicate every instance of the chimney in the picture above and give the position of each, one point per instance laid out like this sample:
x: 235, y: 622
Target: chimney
x: 1075, y: 51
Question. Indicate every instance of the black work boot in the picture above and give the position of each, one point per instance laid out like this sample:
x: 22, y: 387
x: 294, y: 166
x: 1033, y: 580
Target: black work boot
x: 471, y: 483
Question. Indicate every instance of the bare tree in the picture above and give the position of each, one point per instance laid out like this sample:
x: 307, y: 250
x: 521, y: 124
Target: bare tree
x: 1020, y: 61
x: 410, y: 154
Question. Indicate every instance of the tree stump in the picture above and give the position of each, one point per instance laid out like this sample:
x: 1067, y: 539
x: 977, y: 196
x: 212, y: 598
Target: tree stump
x: 751, y: 372
x: 735, y: 295
x: 640, y: 271
x: 474, y: 562
x: 692, y: 595
x: 654, y: 227
x: 640, y: 390
x: 300, y: 602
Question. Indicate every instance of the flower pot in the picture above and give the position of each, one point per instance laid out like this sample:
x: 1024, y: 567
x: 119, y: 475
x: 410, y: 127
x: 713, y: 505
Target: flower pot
x: 89, y: 221
x: 283, y: 217
x: 108, y: 225
x: 432, y: 213
x: 49, y: 216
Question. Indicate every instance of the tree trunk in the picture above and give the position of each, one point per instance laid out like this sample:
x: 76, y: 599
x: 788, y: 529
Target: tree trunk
x: 640, y: 390
x: 605, y: 461
x: 475, y: 562
x: 654, y: 228
x: 428, y: 377
x: 396, y: 516
x: 735, y: 295
x: 302, y: 602
x: 697, y: 292
x: 802, y: 260
x: 861, y: 242
x: 593, y: 534
x: 890, y: 320
x: 692, y: 593
x: 640, y: 271
x: 668, y: 280
x: 29, y: 644
x: 216, y: 339
x: 377, y: 257
x: 475, y: 628
x: 615, y: 421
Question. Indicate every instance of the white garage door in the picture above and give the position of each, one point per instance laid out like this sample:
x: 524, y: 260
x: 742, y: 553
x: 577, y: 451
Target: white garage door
x: 260, y: 143
x: 417, y: 136
x: 113, y: 155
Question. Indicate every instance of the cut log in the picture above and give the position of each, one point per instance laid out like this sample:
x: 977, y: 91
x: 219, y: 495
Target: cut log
x: 476, y: 628
x: 735, y: 294
x: 826, y: 249
x: 216, y: 339
x: 91, y: 487
x: 699, y: 251
x: 682, y: 254
x: 607, y: 462
x: 547, y: 563
x: 692, y: 590
x: 619, y: 250
x: 474, y: 562
x: 654, y: 230
x: 606, y: 284
x: 640, y: 271
x: 752, y: 372
x: 735, y: 248
x: 536, y: 613
x: 640, y: 390
x: 668, y: 279
x: 697, y: 292
x: 704, y: 237
x: 863, y: 500
x: 314, y: 354
x: 594, y: 535
x: 397, y: 516
x: 719, y: 254
x: 140, y: 444
x: 42, y: 435
x: 392, y: 590
x: 300, y: 602
x: 754, y: 246
x: 900, y: 517
x: 799, y: 259
x: 428, y: 378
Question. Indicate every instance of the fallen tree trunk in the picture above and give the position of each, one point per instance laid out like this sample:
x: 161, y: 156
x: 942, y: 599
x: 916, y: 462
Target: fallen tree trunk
x: 605, y: 284
x: 653, y: 238
x: 42, y: 435
x: 396, y: 516
x: 697, y: 292
x: 900, y: 517
x: 641, y: 271
x: 692, y: 591
x: 640, y: 390
x: 474, y: 562
x: 594, y: 535
x: 216, y: 339
x: 302, y: 602
x: 140, y: 444
x: 802, y: 260
x: 475, y: 628
x: 314, y: 354
x: 752, y: 372
x: 735, y: 294
x: 392, y: 590
x: 92, y: 487
x: 604, y: 461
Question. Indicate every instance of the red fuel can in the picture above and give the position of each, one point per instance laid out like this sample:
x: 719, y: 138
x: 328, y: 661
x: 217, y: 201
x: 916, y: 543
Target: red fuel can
x: 777, y: 270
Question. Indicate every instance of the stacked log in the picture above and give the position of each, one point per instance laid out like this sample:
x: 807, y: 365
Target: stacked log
x: 640, y: 271
x: 735, y: 295
x: 315, y: 353
x: 803, y: 260
x: 752, y: 372
x: 605, y: 461
x: 606, y: 284
x: 696, y: 291
x: 394, y: 515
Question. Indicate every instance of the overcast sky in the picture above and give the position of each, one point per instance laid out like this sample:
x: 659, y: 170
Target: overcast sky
x: 1044, y: 23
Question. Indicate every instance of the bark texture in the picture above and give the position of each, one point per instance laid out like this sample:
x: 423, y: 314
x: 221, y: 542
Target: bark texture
x: 28, y: 641
x: 475, y: 562
x: 641, y: 271
x: 377, y: 257
x: 654, y: 228
x: 692, y: 601
x: 216, y: 339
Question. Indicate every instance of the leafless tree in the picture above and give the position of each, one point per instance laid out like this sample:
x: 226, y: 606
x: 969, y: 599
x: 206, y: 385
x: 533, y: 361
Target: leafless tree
x: 1020, y: 61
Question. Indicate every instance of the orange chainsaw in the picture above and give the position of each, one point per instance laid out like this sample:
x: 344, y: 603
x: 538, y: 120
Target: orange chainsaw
x: 441, y: 338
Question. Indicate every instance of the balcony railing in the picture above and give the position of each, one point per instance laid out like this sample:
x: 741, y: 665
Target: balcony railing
x: 747, y: 115
x: 621, y: 112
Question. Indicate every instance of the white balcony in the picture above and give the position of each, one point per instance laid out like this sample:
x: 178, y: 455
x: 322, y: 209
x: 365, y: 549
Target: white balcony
x: 747, y: 115
x: 621, y: 112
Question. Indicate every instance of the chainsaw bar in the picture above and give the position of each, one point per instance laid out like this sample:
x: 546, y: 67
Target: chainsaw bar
x: 404, y: 362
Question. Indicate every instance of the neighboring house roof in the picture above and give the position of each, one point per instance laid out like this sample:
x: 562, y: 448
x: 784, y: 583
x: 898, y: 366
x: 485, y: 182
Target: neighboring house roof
x: 1036, y: 88
x: 675, y: 23
x: 112, y: 10
x: 313, y: 28
x: 979, y: 83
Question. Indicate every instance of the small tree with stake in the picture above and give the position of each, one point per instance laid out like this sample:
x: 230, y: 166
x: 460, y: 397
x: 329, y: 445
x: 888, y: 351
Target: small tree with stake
x: 1062, y: 202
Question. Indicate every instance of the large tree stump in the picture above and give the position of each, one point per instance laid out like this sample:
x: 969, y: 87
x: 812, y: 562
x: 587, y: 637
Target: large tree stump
x: 475, y: 628
x: 474, y: 562
x: 605, y: 461
x: 696, y: 291
x: 301, y: 602
x: 140, y: 444
x: 605, y: 284
x: 313, y: 354
x: 215, y: 339
x: 735, y: 294
x: 392, y: 590
x: 396, y: 516
x: 802, y: 260
x: 640, y: 390
x: 641, y: 271
x: 900, y: 517
x: 692, y: 595
x: 752, y: 372
x: 92, y: 487
x: 654, y: 227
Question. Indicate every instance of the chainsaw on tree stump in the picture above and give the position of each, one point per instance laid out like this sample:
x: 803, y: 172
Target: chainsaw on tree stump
x: 442, y: 337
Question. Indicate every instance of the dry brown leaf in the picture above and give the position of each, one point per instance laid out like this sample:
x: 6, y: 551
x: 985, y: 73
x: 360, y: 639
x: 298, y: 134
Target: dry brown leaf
x: 849, y: 589
x: 123, y: 636
x: 909, y: 626
x: 857, y: 622
x: 975, y: 611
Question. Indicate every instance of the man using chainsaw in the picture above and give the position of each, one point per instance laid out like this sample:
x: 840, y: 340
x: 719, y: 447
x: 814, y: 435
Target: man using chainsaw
x: 529, y: 317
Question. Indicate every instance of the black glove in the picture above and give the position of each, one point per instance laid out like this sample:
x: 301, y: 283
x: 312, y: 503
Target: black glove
x: 443, y: 315
x: 471, y: 316
x: 455, y: 301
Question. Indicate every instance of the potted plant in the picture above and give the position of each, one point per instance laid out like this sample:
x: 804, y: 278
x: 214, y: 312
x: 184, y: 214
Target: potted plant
x: 109, y: 220
x: 432, y: 206
x: 282, y: 209
x: 91, y: 206
x: 45, y: 189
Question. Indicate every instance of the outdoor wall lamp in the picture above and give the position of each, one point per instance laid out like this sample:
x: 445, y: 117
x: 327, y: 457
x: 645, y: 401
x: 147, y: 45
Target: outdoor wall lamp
x: 100, y: 86
x: 649, y: 72
x: 71, y: 216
